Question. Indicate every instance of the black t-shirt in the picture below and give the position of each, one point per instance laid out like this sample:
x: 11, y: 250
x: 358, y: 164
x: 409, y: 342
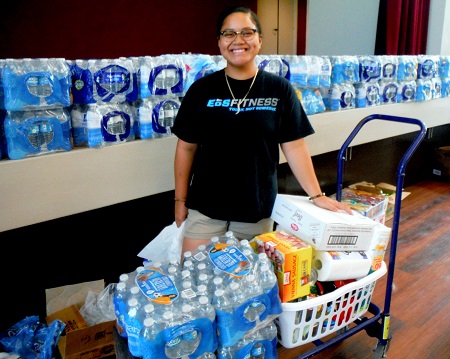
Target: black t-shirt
x: 235, y: 169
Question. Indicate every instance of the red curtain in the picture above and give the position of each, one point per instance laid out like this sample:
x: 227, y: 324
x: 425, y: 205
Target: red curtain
x: 402, y: 27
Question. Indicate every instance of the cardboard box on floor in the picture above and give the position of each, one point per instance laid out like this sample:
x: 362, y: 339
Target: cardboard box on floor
x: 79, y: 340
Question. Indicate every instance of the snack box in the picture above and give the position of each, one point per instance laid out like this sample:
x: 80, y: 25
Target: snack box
x: 322, y: 229
x: 291, y: 259
x: 368, y: 204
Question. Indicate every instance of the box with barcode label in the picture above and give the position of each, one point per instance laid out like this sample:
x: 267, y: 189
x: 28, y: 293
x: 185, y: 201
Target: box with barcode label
x: 321, y: 228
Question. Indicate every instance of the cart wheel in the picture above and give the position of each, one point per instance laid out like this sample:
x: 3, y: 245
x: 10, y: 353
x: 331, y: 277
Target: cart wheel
x: 380, y: 351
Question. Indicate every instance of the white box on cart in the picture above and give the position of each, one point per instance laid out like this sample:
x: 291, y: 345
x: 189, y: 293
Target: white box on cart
x: 321, y: 228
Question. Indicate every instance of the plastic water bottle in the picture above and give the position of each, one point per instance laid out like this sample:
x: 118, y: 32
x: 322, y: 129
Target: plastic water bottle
x: 251, y: 256
x: 202, y: 268
x: 189, y: 265
x: 124, y: 277
x: 201, y: 254
x: 172, y: 346
x: 202, y: 289
x: 263, y: 258
x: 133, y: 327
x: 147, y: 336
x: 187, y: 256
x: 120, y: 306
x: 221, y: 301
x: 174, y: 273
x: 188, y: 291
x: 191, y: 339
x: 186, y: 274
x: 268, y: 332
x: 236, y: 294
x: 149, y: 311
x: 253, y: 289
x: 214, y: 241
x: 231, y: 239
x: 135, y: 292
x: 205, y: 309
x: 157, y: 265
x: 203, y: 280
x: 244, y: 243
x: 267, y: 278
x: 218, y: 283
x: 174, y: 261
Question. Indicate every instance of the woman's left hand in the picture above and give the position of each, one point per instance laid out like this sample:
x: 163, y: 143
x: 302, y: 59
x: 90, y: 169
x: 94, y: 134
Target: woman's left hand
x: 332, y: 205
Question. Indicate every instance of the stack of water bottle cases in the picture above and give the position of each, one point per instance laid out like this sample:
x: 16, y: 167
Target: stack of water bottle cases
x: 51, y: 104
x: 221, y: 302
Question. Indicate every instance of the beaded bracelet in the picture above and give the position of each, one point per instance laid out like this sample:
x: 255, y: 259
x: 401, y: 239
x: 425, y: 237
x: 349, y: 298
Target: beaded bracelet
x: 312, y: 198
x: 179, y: 199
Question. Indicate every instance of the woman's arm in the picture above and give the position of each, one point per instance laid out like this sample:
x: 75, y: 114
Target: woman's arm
x: 184, y: 158
x: 300, y: 162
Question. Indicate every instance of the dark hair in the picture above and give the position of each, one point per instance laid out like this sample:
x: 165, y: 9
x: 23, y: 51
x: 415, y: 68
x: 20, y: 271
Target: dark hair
x: 232, y: 10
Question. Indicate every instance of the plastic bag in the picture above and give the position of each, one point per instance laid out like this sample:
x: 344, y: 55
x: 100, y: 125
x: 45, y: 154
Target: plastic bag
x: 165, y: 246
x: 99, y: 309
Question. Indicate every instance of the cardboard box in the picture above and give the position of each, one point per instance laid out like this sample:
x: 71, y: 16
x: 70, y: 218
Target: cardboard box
x: 391, y: 190
x: 321, y: 228
x: 388, y: 190
x: 78, y: 340
x: 291, y: 259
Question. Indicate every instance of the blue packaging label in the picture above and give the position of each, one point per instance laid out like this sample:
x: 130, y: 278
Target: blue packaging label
x: 157, y: 286
x: 230, y: 259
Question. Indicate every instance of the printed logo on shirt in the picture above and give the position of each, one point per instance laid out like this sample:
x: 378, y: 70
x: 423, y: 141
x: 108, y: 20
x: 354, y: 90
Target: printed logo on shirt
x: 255, y: 104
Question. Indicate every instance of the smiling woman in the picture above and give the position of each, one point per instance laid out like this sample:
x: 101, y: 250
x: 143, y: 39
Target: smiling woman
x: 230, y: 127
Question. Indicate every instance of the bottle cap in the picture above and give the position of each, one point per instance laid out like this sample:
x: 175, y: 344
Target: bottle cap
x: 219, y: 292
x: 186, y: 308
x: 135, y: 290
x: 203, y: 299
x: 234, y: 286
x: 132, y: 302
x: 148, y: 322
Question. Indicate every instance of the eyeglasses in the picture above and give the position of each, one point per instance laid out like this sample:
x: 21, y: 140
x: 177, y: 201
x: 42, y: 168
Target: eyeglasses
x: 246, y: 34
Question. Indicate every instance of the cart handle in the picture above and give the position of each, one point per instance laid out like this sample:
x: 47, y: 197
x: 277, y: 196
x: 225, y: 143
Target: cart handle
x: 398, y: 192
x: 403, y: 161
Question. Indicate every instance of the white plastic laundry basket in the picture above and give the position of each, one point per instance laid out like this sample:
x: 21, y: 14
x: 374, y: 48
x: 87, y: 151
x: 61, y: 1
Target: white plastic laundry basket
x: 312, y: 319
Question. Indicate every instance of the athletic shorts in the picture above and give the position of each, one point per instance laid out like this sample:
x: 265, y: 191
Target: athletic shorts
x: 199, y: 226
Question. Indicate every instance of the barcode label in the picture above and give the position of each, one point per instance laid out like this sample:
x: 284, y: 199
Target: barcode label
x: 343, y: 240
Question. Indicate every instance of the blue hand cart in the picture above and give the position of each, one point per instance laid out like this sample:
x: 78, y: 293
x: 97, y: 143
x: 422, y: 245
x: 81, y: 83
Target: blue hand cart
x: 312, y: 320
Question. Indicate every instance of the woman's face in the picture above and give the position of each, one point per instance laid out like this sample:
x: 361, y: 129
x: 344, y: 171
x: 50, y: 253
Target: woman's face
x: 239, y: 52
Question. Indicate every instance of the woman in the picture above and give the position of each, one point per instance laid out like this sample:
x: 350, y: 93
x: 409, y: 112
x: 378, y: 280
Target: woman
x: 229, y: 127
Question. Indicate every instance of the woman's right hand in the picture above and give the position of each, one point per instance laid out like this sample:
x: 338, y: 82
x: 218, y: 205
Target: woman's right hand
x: 181, y: 212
